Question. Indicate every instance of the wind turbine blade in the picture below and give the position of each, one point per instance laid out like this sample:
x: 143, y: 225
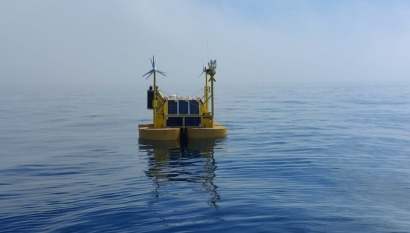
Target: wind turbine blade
x: 153, y: 62
x: 163, y: 73
x: 149, y: 72
x: 148, y: 76
x: 201, y: 74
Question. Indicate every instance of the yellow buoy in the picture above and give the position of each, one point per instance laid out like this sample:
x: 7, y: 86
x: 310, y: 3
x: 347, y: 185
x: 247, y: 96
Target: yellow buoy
x: 182, y: 117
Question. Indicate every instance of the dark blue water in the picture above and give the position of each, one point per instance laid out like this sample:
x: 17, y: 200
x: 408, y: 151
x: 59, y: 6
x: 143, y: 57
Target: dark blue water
x: 298, y: 158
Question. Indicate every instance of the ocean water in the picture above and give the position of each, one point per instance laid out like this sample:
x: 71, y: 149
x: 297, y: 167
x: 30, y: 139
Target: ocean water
x: 298, y: 158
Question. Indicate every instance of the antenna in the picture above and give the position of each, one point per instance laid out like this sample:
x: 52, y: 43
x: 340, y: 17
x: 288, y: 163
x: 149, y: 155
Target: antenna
x: 207, y: 49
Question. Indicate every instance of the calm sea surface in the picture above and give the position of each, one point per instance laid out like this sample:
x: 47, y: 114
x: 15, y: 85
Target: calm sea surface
x: 298, y: 158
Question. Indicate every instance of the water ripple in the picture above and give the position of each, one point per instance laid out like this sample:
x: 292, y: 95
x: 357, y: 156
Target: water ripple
x: 296, y: 159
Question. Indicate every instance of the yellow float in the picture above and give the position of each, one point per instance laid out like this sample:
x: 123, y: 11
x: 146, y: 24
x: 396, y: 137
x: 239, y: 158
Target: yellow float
x: 181, y: 118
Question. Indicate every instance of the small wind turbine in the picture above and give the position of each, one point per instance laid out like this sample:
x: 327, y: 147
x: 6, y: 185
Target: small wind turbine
x: 211, y: 71
x: 154, y: 71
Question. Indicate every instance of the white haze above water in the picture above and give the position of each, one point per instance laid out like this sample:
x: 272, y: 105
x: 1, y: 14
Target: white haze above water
x: 84, y: 43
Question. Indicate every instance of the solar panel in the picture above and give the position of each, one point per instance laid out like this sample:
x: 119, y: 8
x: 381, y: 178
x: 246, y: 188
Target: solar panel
x: 183, y: 107
x: 193, y: 107
x: 174, y: 122
x: 172, y: 107
x: 192, y: 121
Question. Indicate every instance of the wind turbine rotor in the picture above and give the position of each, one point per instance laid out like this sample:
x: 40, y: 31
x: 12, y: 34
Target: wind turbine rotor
x: 154, y: 69
x: 211, y: 68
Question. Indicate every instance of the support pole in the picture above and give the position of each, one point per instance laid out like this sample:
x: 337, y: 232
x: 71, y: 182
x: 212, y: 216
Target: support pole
x: 212, y: 99
x: 206, y: 90
x: 155, y: 99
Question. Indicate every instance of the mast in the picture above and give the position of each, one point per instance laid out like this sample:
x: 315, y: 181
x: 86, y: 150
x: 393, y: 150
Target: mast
x: 211, y: 71
x: 154, y: 71
x: 206, y: 89
x: 155, y: 99
x: 213, y: 106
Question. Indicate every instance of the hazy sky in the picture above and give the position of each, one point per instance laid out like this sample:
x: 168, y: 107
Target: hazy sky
x: 84, y: 42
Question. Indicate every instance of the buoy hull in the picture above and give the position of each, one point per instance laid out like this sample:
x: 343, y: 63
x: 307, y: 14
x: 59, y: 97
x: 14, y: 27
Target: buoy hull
x: 147, y: 132
x: 217, y: 131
